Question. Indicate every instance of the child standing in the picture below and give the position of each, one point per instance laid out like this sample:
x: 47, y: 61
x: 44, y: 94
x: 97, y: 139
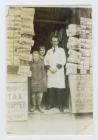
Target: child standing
x: 37, y: 70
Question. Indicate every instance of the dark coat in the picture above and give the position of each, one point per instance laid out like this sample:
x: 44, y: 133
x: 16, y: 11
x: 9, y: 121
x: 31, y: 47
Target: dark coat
x: 38, y: 77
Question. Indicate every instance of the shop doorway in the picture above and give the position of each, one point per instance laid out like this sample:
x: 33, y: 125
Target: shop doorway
x: 48, y: 22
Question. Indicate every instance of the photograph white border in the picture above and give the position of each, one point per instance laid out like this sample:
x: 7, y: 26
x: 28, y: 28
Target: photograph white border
x: 3, y: 6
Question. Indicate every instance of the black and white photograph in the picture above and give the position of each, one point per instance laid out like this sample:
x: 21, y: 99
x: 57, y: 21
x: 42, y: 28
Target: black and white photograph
x: 49, y: 70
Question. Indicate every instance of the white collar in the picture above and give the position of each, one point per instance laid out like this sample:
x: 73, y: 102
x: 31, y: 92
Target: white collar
x: 55, y: 48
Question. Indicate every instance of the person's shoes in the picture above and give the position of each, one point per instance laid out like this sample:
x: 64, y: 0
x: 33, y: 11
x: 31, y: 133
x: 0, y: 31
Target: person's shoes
x: 49, y: 107
x: 66, y: 110
x: 40, y: 110
x: 61, y: 109
x: 33, y: 109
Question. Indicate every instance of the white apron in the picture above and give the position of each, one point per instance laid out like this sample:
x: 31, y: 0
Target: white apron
x: 57, y: 79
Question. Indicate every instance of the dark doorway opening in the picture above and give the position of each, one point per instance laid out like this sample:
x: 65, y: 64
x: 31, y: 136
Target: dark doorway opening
x: 47, y: 21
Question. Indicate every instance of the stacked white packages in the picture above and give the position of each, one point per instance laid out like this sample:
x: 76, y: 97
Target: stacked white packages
x: 73, y: 46
x: 71, y: 68
x: 73, y: 30
x: 24, y: 70
x: 74, y: 56
x: 73, y: 43
x: 86, y: 44
x: 80, y: 48
x: 20, y: 32
x: 27, y: 32
x: 13, y: 35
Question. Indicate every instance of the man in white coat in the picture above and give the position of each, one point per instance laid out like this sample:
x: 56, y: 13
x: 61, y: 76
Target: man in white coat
x: 55, y: 60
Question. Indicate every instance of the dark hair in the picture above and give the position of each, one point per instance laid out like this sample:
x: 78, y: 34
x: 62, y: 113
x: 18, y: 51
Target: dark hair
x: 54, y: 37
x: 41, y: 47
x: 35, y: 52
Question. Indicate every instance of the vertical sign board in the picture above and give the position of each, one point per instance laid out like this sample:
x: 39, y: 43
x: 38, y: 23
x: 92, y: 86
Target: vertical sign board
x: 81, y: 93
x: 17, y: 98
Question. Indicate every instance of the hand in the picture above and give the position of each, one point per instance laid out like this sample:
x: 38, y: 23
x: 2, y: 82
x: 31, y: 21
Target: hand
x: 53, y: 70
x: 47, y: 67
x: 59, y: 66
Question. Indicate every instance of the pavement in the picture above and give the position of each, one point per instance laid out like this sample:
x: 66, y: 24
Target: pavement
x: 52, y: 122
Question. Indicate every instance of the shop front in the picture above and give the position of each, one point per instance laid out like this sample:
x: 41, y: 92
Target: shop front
x: 27, y: 29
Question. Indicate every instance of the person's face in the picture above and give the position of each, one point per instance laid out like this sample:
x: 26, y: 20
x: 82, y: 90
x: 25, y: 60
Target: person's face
x: 35, y: 57
x: 54, y: 43
x: 42, y: 51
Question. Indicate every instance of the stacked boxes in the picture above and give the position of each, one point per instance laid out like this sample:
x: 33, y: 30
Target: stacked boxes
x: 24, y: 70
x: 80, y: 48
x: 86, y: 27
x: 27, y: 32
x: 86, y: 44
x: 73, y: 46
x: 73, y: 43
x: 13, y: 35
x: 73, y: 30
x: 20, y: 32
x: 78, y: 67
